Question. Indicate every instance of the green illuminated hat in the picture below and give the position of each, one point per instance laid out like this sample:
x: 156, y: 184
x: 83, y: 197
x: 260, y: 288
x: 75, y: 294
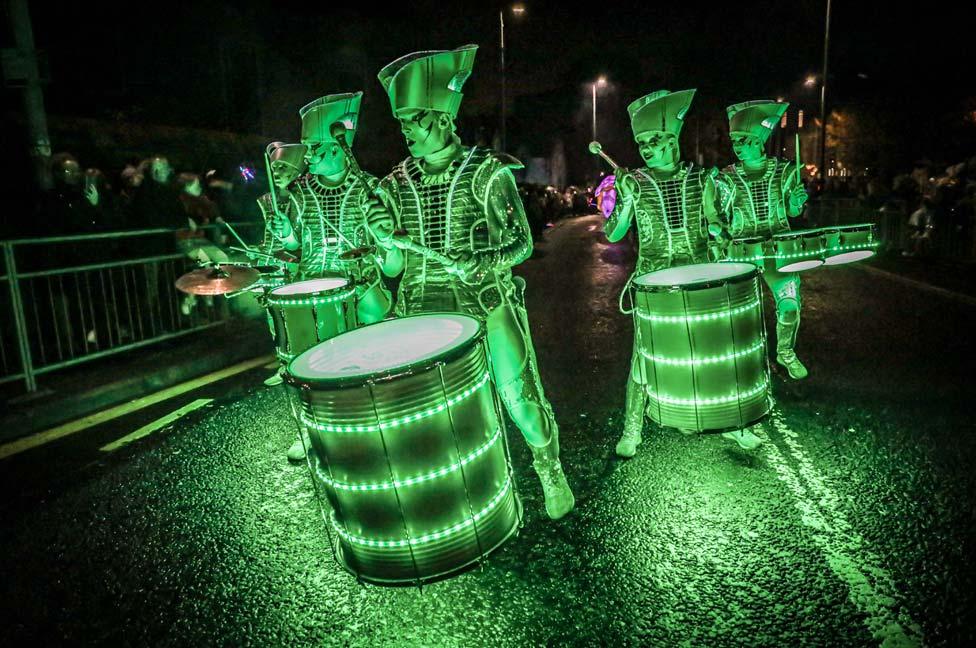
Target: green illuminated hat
x: 660, y: 111
x: 428, y: 80
x: 291, y: 155
x: 319, y: 115
x: 757, y: 118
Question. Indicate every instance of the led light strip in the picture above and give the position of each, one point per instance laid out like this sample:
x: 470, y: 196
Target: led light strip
x: 392, y: 423
x: 446, y: 470
x: 697, y: 318
x: 841, y: 248
x: 752, y: 259
x: 799, y: 255
x: 721, y: 400
x: 310, y: 301
x: 430, y: 537
x: 703, y: 361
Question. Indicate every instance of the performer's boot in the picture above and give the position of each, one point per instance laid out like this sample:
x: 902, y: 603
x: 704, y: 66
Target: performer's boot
x: 746, y: 438
x: 633, y: 420
x: 296, y: 452
x: 559, y: 497
x: 785, y: 340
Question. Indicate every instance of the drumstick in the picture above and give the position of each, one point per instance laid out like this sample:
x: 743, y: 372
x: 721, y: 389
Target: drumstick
x: 597, y: 149
x: 231, y: 229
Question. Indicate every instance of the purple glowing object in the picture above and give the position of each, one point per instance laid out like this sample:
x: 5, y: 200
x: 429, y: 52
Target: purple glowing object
x: 606, y: 196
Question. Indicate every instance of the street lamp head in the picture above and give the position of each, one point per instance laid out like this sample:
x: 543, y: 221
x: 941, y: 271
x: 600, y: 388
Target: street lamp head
x: 810, y: 81
x: 518, y: 9
x: 601, y: 81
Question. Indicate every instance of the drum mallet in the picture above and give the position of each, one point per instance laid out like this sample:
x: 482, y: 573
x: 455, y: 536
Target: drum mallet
x: 597, y: 149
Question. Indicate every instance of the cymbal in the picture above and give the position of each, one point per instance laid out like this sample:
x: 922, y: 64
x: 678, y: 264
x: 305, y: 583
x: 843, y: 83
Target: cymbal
x: 217, y: 280
x: 356, y: 253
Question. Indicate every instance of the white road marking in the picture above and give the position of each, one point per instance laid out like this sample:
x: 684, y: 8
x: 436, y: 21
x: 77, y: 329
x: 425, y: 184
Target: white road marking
x: 158, y: 424
x: 872, y: 588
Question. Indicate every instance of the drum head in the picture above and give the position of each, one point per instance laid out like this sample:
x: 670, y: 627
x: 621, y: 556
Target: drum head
x: 695, y: 276
x: 310, y: 286
x: 849, y: 257
x: 389, y: 347
x: 800, y: 266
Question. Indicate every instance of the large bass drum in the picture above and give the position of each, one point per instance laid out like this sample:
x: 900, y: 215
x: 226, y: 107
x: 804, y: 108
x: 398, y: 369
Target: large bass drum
x: 408, y: 447
x: 702, y: 345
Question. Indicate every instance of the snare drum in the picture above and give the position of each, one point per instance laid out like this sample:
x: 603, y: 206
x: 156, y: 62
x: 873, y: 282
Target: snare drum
x: 798, y: 250
x: 702, y: 345
x: 849, y: 243
x: 408, y: 447
x: 747, y: 250
x: 305, y: 313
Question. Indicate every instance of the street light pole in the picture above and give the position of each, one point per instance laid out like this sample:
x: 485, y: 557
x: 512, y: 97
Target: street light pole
x: 501, y: 22
x: 821, y: 171
x: 594, y: 112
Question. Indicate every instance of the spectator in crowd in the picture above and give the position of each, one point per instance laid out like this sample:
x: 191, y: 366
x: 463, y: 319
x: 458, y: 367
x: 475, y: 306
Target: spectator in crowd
x: 921, y: 223
x: 200, y: 212
x: 130, y: 179
x: 156, y: 202
x: 72, y: 205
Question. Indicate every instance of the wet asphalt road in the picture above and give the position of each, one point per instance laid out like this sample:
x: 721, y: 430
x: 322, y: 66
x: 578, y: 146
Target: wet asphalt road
x: 853, y: 525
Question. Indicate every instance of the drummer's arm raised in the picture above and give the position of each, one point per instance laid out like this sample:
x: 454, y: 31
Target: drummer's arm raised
x: 381, y: 214
x: 794, y: 193
x: 623, y: 211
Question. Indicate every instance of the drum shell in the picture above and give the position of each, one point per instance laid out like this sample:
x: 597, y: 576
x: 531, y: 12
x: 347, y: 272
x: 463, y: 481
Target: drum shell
x: 300, y: 326
x: 468, y: 432
x: 850, y: 243
x: 682, y: 332
x: 799, y: 250
x: 747, y: 250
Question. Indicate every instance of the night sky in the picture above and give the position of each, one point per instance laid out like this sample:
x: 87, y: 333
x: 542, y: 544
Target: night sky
x: 248, y: 66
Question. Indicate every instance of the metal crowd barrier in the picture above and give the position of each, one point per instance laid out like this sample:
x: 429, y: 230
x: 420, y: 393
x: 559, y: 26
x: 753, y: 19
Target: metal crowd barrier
x: 950, y: 240
x: 66, y: 300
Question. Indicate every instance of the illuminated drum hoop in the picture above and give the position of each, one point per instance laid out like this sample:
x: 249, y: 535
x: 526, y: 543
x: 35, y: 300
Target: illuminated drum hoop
x: 798, y: 250
x: 850, y: 243
x: 305, y: 313
x: 408, y: 447
x: 702, y: 345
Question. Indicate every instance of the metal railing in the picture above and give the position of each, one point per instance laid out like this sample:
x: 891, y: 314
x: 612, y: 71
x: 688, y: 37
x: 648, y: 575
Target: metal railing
x: 66, y: 300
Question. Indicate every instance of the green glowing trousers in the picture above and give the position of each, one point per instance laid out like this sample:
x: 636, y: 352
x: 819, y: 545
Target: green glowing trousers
x: 785, y: 287
x: 516, y: 374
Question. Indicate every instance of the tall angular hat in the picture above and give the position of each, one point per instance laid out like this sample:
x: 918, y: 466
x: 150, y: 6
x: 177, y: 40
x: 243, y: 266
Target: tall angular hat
x: 320, y: 114
x: 660, y: 111
x: 291, y: 155
x: 757, y: 118
x: 428, y: 80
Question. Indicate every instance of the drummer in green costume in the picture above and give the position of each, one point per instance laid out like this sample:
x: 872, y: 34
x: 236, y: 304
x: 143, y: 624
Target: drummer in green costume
x: 760, y: 194
x: 328, y: 208
x: 286, y: 163
x: 675, y: 207
x: 461, y: 202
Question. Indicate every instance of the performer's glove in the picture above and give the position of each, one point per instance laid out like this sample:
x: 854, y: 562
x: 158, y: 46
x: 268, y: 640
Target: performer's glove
x: 625, y: 186
x: 471, y: 267
x: 797, y: 198
x: 380, y: 222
